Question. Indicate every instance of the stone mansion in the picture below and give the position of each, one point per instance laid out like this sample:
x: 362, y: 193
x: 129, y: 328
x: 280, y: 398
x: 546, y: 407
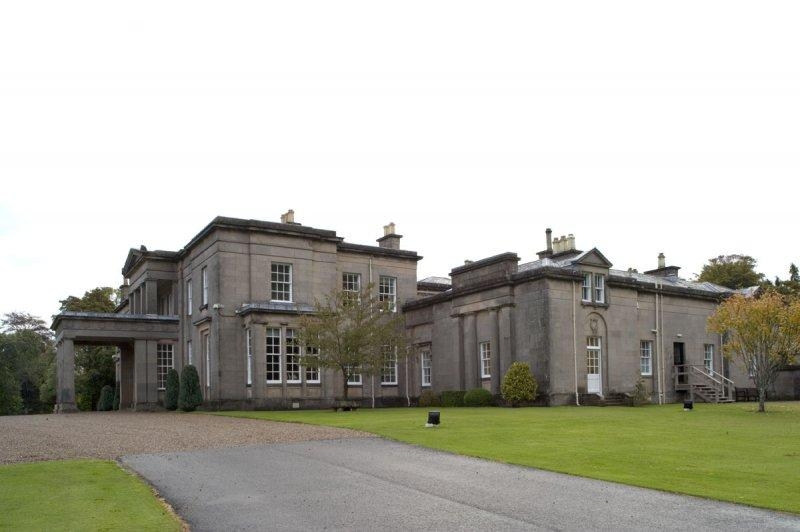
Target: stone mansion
x: 230, y: 302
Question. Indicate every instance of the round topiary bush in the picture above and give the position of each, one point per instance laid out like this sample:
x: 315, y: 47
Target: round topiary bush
x: 190, y: 396
x: 519, y: 384
x: 172, y: 390
x: 478, y: 397
x: 428, y: 398
x: 106, y: 401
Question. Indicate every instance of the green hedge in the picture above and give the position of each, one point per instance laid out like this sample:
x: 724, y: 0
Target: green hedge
x: 478, y: 397
x: 428, y: 398
x: 452, y: 397
x: 519, y: 385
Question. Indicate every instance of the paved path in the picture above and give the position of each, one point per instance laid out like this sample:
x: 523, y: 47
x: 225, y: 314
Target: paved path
x: 371, y: 484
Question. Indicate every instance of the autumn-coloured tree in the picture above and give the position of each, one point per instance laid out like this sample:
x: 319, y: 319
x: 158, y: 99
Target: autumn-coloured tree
x: 762, y: 333
x: 352, y: 332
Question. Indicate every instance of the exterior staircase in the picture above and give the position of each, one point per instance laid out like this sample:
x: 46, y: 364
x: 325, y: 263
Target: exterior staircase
x: 612, y: 399
x: 700, y: 383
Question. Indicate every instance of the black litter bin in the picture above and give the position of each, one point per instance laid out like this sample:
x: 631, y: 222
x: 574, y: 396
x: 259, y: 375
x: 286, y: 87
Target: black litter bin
x: 433, y: 418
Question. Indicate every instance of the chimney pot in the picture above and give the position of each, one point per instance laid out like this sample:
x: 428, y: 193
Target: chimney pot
x: 662, y: 262
x: 288, y: 217
x: 549, y: 233
x: 388, y: 229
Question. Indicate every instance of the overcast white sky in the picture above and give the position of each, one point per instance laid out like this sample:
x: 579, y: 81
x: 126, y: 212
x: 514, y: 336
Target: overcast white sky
x: 640, y: 127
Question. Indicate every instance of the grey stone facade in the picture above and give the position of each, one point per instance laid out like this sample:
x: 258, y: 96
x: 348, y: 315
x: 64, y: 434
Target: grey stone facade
x: 231, y: 299
x: 586, y: 330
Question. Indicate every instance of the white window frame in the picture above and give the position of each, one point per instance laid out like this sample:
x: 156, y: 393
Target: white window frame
x: 165, y: 360
x: 708, y: 358
x: 387, y: 291
x: 425, y: 363
x: 354, y: 379
x: 485, y: 350
x: 189, y: 352
x: 646, y: 357
x: 293, y: 370
x: 312, y: 373
x: 599, y: 285
x: 273, y: 355
x: 586, y: 288
x: 389, y: 369
x: 351, y: 282
x: 281, y: 278
x: 594, y: 349
x: 249, y: 355
x: 204, y: 278
x: 189, y: 298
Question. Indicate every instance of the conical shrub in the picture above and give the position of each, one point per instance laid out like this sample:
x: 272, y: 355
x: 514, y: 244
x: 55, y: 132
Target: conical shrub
x: 106, y: 401
x: 173, y: 390
x: 190, y: 396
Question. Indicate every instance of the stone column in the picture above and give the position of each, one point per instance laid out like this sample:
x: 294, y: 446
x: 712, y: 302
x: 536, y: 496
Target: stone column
x: 494, y: 339
x: 461, y: 356
x: 151, y: 297
x: 506, y: 357
x: 471, y: 368
x: 65, y: 362
x: 140, y: 373
x: 127, y: 389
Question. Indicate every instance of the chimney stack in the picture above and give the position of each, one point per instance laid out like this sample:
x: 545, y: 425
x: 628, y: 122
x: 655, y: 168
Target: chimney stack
x: 288, y: 217
x: 549, y: 233
x: 390, y: 239
x: 662, y: 261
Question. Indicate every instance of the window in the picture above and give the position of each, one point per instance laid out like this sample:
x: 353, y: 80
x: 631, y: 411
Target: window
x: 312, y: 372
x: 292, y: 357
x: 204, y: 279
x: 353, y: 378
x: 207, y: 349
x: 249, y: 354
x: 389, y: 370
x: 164, y: 354
x: 586, y: 289
x: 425, y: 364
x: 281, y: 282
x: 593, y: 288
x: 646, y: 357
x: 708, y: 357
x: 273, y: 355
x: 189, y: 302
x: 593, y: 355
x: 351, y: 285
x: 599, y: 288
x: 189, y: 352
x: 486, y: 359
x: 387, y: 291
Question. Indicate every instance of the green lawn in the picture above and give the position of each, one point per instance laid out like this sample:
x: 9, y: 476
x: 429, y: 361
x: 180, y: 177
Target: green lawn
x: 726, y: 452
x: 78, y: 495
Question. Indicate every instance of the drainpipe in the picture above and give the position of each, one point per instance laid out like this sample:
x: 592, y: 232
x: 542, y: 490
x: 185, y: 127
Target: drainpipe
x: 661, y: 341
x: 575, y: 346
x: 658, y: 355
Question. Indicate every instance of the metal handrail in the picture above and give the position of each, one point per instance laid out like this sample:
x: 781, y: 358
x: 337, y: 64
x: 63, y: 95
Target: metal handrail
x: 723, y: 384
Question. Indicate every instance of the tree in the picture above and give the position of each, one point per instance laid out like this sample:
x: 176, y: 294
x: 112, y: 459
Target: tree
x: 762, y: 333
x: 352, y: 332
x: 518, y: 384
x: 791, y: 286
x: 26, y: 353
x: 732, y: 271
x: 190, y: 396
x: 94, y: 366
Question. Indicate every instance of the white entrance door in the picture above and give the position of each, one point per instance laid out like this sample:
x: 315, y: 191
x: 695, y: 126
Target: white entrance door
x: 593, y: 356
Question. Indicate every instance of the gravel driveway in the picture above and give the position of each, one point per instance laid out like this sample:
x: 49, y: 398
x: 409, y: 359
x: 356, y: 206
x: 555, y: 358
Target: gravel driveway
x: 113, y: 434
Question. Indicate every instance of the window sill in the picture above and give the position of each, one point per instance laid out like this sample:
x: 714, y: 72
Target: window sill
x: 389, y: 384
x: 426, y: 385
x: 281, y: 301
x: 486, y: 377
x: 593, y: 304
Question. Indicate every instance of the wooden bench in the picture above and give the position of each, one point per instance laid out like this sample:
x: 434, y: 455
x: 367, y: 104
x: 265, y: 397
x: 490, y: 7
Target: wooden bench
x: 747, y: 394
x: 345, y: 406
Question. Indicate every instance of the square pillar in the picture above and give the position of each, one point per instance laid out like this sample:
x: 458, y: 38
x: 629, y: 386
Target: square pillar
x: 65, y: 363
x: 471, y: 356
x: 494, y: 340
x: 127, y: 393
x: 145, y: 385
x: 151, y: 297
